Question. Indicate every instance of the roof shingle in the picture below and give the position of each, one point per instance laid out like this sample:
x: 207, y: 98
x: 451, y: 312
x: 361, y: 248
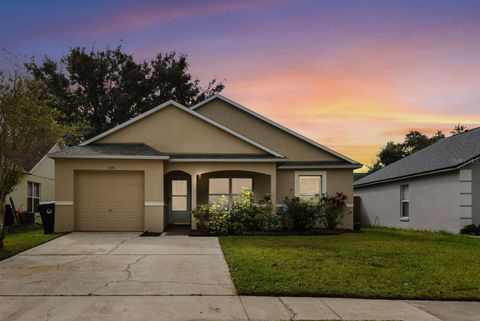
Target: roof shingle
x: 35, y: 154
x: 109, y: 150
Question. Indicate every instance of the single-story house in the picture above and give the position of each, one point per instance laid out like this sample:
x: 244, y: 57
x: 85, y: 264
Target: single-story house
x: 436, y: 188
x: 38, y: 182
x: 151, y: 171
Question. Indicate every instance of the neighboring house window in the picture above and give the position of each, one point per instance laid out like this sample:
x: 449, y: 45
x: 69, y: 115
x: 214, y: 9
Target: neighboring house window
x: 230, y: 188
x: 309, y: 186
x: 33, y: 197
x: 404, y: 202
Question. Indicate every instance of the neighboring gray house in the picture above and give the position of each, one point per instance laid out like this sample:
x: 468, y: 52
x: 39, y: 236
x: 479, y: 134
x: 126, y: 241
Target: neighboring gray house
x: 436, y: 188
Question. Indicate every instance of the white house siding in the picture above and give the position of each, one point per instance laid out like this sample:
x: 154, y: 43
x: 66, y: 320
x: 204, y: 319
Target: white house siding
x: 475, y: 186
x: 434, y: 203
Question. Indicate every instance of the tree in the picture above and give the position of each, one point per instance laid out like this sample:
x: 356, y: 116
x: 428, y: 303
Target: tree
x: 26, y: 119
x: 101, y: 89
x: 458, y: 129
x: 390, y: 154
x: 413, y: 142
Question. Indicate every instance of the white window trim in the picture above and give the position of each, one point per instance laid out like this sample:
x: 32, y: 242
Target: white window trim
x: 402, y: 217
x: 310, y: 173
x: 33, y: 197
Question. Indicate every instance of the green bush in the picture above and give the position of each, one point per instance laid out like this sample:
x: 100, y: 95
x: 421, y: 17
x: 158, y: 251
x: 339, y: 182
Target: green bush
x: 245, y: 216
x: 471, y: 229
x: 301, y: 215
x: 331, y: 210
x: 213, y: 219
x: 357, y: 226
x: 298, y: 214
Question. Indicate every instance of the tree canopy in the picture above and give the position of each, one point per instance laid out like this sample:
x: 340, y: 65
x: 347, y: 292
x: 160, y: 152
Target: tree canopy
x: 26, y: 119
x: 101, y: 89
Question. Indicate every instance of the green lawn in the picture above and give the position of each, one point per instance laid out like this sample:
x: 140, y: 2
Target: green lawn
x: 22, y: 239
x: 377, y: 263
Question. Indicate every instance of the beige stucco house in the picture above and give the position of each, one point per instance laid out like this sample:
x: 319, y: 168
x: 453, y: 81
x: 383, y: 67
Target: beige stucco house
x: 38, y: 182
x: 151, y: 171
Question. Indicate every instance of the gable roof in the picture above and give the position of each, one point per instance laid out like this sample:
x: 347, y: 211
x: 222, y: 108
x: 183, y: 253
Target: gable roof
x: 448, y: 154
x: 111, y: 151
x: 272, y: 123
x: 188, y: 110
x: 35, y: 154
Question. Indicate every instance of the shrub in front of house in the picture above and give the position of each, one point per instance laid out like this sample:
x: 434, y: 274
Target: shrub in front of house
x: 213, y: 219
x: 299, y: 214
x: 249, y: 216
x: 471, y: 229
x: 332, y: 210
x: 245, y: 216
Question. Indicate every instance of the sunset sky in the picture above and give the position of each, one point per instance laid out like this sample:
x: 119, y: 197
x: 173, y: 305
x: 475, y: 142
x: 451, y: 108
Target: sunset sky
x: 351, y: 75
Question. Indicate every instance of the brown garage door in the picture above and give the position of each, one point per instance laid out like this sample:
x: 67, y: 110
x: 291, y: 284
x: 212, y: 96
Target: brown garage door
x: 109, y: 201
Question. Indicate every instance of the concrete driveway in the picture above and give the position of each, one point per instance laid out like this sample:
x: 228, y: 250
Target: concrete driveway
x: 118, y: 264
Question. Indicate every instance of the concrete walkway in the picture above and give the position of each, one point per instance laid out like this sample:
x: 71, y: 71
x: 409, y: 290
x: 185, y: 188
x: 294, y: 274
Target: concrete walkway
x: 120, y: 276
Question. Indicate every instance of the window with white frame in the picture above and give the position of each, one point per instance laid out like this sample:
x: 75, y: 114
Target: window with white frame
x: 227, y: 188
x: 404, y: 202
x: 33, y: 196
x: 309, y: 186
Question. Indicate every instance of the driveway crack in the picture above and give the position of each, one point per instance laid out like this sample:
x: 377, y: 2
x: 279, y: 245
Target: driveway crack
x: 126, y: 270
x: 70, y: 262
x: 49, y: 315
x: 120, y: 243
x: 129, y: 266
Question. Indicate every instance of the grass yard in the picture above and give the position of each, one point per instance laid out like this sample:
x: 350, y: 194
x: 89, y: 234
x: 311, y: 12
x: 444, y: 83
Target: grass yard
x: 20, y: 239
x: 377, y: 263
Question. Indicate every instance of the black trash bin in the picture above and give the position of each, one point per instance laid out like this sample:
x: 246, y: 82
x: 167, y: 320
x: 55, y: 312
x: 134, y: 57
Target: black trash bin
x: 47, y: 213
x: 9, y: 216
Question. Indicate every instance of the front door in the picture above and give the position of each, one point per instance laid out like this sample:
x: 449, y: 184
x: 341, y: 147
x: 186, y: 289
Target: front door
x: 178, y: 197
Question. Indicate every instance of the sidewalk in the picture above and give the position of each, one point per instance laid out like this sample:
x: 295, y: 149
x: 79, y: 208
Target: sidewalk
x: 294, y: 308
x: 176, y: 308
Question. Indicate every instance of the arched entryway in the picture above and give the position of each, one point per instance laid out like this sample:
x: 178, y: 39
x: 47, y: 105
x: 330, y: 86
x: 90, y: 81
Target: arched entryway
x: 178, y: 197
